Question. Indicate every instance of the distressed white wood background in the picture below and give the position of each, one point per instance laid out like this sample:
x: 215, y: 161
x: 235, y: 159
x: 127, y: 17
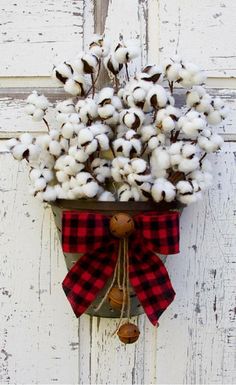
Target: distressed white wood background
x: 41, y: 342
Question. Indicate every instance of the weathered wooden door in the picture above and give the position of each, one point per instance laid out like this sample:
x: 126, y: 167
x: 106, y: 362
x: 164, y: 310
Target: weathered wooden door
x: 41, y: 342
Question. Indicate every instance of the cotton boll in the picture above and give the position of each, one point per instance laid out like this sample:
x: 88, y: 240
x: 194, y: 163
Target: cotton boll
x: 155, y: 73
x: 11, y: 143
x: 43, y: 141
x: 106, y: 111
x: 35, y: 174
x: 47, y: 174
x: 105, y: 96
x: 172, y: 68
x: 61, y: 194
x: 85, y: 63
x: 112, y: 65
x: 85, y: 136
x: 147, y: 132
x: 38, y: 115
x: 62, y: 176
x: 29, y: 109
x: 40, y: 184
x: 75, y: 86
x: 66, y: 106
x: 100, y: 46
x: 42, y: 102
x: 132, y: 118
x: 32, y: 98
x: 55, y: 148
x: 157, y: 97
x: 67, y: 130
x: 188, y: 199
x: 191, y: 124
x: 103, y: 142
x: 187, y: 165
x: 188, y: 150
x: 106, y: 196
x: 210, y: 144
x: 20, y: 151
x: 127, y: 193
x: 160, y: 160
x: 50, y: 194
x: 162, y: 189
x: 91, y: 189
x: 54, y: 134
x: 214, y: 117
x: 62, y: 72
x: 34, y: 152
x: 26, y: 138
x: 184, y: 187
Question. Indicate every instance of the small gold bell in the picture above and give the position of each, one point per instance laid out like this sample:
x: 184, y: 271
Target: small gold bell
x: 116, y: 298
x: 128, y: 333
x: 121, y: 225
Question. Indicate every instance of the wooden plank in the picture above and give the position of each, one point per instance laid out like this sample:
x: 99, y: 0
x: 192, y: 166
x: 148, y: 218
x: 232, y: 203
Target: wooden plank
x: 38, y: 331
x: 197, y: 334
x: 34, y: 35
x: 200, y: 31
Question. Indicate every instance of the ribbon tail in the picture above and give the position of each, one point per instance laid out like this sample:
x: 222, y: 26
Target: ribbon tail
x: 151, y: 282
x: 87, y: 277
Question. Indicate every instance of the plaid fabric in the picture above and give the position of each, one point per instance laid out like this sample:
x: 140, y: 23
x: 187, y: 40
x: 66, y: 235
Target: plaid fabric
x: 89, y: 233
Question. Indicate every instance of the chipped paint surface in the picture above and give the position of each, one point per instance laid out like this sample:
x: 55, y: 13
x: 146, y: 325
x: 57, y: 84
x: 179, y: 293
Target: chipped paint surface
x: 40, y: 339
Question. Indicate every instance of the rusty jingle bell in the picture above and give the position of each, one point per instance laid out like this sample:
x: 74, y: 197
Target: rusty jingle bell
x: 121, y: 225
x: 116, y: 297
x: 128, y: 333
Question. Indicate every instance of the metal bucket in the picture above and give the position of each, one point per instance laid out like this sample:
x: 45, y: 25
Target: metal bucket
x: 109, y: 208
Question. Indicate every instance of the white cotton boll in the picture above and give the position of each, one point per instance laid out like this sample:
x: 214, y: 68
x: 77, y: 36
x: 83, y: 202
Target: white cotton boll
x: 85, y: 136
x: 172, y: 71
x: 66, y: 106
x: 105, y: 95
x: 35, y: 174
x: 162, y: 189
x: 157, y: 96
x: 42, y: 102
x: 147, y: 132
x: 54, y: 134
x: 160, y: 160
x: 66, y: 186
x: 214, y: 117
x: 34, y: 152
x: 184, y: 187
x: 62, y: 72
x: 40, y: 184
x: 188, y: 165
x: 112, y: 65
x: 62, y: 176
x: 168, y: 124
x: 91, y: 147
x: 19, y: 150
x: 188, y: 150
x: 132, y: 118
x: 100, y: 46
x: 106, y: 196
x: 75, y: 86
x: 106, y: 111
x: 138, y: 165
x: 61, y: 194
x: 121, y: 55
x: 91, y: 189
x: 67, y: 130
x: 32, y: 98
x: 187, y: 199
x: 29, y: 109
x: 47, y: 174
x: 55, y: 148
x: 175, y: 148
x: 116, y: 102
x: 38, y: 114
x: 103, y: 142
x: 26, y: 138
x: 43, y: 141
x: 50, y: 194
x: 11, y: 143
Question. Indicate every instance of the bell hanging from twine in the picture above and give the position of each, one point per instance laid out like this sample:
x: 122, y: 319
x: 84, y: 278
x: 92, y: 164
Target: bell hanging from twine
x: 121, y: 225
x: 116, y: 298
x: 128, y: 333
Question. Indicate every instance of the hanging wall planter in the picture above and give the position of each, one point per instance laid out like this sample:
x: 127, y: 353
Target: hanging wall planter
x: 119, y: 161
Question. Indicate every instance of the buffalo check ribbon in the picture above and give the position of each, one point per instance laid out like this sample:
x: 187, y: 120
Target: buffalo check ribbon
x: 88, y: 233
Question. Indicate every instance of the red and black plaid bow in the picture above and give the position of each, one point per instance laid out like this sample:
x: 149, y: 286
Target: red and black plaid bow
x: 88, y: 233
